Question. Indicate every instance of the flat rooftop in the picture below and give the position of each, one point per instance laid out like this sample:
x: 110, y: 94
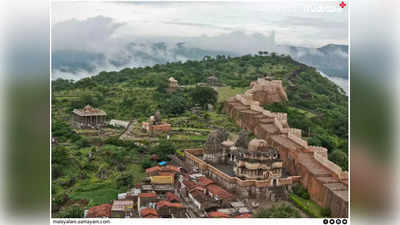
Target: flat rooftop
x: 226, y: 168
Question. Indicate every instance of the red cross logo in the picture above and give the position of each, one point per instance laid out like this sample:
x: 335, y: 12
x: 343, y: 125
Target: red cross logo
x: 342, y: 4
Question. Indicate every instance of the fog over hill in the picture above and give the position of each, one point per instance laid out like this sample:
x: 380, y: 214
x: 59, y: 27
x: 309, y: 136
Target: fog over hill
x: 331, y: 60
x: 88, y: 38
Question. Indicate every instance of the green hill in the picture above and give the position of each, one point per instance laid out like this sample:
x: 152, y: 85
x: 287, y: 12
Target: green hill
x: 316, y: 105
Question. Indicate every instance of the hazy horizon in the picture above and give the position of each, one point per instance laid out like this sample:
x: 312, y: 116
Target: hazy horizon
x: 89, y: 37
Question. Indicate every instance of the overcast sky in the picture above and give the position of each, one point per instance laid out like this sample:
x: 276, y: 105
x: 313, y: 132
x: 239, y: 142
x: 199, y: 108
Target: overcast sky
x: 81, y: 24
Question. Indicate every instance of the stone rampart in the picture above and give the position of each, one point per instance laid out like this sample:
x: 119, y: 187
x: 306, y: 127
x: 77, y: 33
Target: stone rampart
x: 313, y: 166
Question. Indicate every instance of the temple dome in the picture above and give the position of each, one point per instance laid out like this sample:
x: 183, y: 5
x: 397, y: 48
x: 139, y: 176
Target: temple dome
x: 256, y: 145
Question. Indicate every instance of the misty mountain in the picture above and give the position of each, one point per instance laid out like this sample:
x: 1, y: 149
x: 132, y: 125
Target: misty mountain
x: 75, y: 64
x: 330, y: 59
x: 84, y: 63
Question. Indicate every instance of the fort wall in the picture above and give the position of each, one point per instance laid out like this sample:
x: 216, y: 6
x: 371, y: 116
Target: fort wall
x: 324, y: 180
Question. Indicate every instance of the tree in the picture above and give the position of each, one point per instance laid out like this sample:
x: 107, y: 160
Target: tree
x: 340, y: 158
x: 301, y: 191
x: 175, y: 105
x: 204, y: 96
x: 163, y: 149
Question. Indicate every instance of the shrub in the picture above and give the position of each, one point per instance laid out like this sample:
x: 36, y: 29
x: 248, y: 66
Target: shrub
x: 83, y: 142
x: 282, y: 211
x: 124, y: 180
x: 147, y: 163
x: 73, y: 212
x: 308, y: 206
x: 326, y: 212
x: 301, y: 191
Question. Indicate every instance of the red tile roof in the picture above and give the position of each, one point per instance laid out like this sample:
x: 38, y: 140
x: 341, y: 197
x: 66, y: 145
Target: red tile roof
x: 189, y: 184
x: 171, y: 197
x: 244, y: 215
x: 204, y: 181
x: 219, y: 191
x: 163, y: 203
x: 197, y: 193
x: 198, y: 188
x: 100, y: 211
x: 148, y: 195
x: 150, y: 216
x: 149, y: 213
x: 167, y: 168
x: 217, y: 215
x: 152, y: 169
x: 171, y: 168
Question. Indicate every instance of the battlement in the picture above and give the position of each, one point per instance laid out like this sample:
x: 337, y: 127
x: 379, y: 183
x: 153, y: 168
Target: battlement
x: 298, y: 140
x: 319, y: 150
x: 267, y: 92
x: 328, y: 164
x: 295, y: 132
x: 273, y: 127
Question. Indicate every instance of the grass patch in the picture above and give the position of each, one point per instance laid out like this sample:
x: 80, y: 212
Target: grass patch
x: 227, y: 92
x: 95, y: 193
x: 308, y: 206
x: 307, y: 114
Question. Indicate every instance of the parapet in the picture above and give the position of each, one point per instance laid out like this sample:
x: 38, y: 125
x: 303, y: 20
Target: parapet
x: 329, y: 165
x: 298, y: 140
x: 319, y: 150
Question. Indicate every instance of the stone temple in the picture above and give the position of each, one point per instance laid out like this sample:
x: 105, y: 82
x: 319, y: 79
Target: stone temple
x: 258, y: 161
x: 247, y: 160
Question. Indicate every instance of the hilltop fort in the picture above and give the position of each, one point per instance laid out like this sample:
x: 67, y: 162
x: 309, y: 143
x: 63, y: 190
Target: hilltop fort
x: 325, y: 181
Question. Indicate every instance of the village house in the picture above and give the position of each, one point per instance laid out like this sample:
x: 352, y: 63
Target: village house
x: 167, y: 209
x: 88, y: 117
x: 119, y: 123
x: 198, y: 194
x: 158, y: 188
x: 148, y: 213
x: 133, y: 194
x: 122, y: 209
x: 216, y: 192
x: 199, y: 198
x: 162, y: 179
x: 217, y: 214
x: 100, y: 211
x: 171, y: 197
x: 155, y: 126
x: 147, y: 200
x: 159, y: 170
x: 244, y: 216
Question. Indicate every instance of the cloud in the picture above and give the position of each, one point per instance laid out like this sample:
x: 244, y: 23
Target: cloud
x: 83, y: 34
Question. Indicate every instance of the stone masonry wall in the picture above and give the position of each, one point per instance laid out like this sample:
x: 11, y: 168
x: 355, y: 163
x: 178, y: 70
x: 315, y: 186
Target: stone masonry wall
x: 324, y: 180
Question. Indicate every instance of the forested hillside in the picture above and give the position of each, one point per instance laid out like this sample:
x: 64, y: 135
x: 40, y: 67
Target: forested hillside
x: 316, y: 105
